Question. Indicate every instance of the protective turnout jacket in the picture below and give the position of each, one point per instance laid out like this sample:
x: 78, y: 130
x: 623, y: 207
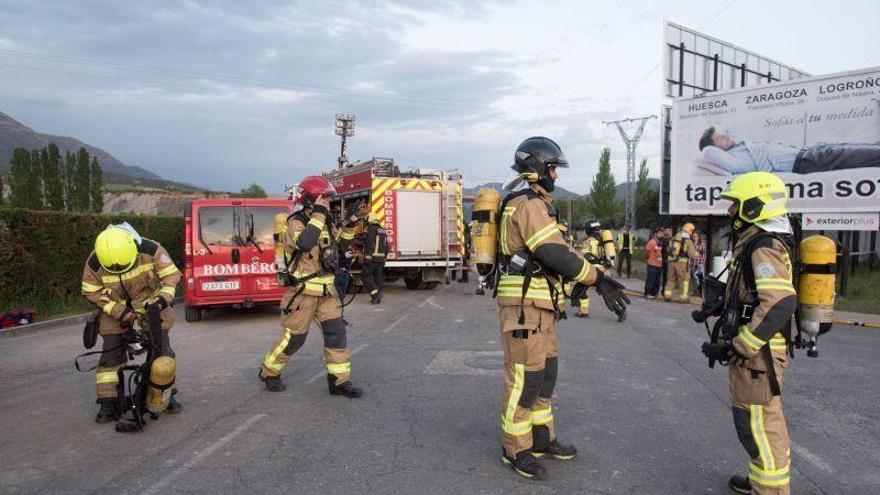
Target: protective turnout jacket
x: 686, y: 251
x: 528, y: 225
x: 306, y: 236
x: 153, y: 274
x: 771, y: 308
x: 376, y: 243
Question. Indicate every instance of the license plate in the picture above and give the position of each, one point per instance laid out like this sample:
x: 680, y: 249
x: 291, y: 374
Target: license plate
x: 214, y: 286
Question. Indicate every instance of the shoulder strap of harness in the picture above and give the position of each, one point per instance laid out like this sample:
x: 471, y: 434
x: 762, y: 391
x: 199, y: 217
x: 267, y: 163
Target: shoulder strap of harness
x: 744, y: 265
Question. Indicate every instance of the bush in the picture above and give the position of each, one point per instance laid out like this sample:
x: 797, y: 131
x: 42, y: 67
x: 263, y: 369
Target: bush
x: 42, y: 254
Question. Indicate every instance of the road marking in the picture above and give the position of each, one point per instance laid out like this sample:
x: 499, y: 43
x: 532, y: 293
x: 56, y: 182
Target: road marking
x: 200, y: 456
x: 324, y: 373
x: 391, y: 326
x: 811, y: 457
x: 430, y: 301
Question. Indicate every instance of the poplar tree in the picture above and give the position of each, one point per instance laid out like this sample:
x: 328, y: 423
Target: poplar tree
x: 602, y: 202
x: 19, y: 168
x: 53, y: 187
x: 96, y: 186
x: 68, y: 176
x: 35, y: 181
x: 81, y: 198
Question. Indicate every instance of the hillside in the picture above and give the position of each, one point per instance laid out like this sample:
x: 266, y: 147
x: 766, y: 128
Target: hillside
x: 14, y: 134
x: 559, y: 192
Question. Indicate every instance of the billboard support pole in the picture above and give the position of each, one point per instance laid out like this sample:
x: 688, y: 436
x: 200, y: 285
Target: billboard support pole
x: 631, y: 143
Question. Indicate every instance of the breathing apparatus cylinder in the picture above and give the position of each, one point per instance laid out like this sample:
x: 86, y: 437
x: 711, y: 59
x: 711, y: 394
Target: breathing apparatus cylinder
x: 608, y: 245
x: 161, y: 380
x: 675, y: 245
x: 818, y: 255
x: 484, y: 231
x: 278, y: 234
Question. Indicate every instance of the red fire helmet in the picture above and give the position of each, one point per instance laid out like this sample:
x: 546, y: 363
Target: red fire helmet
x: 312, y: 187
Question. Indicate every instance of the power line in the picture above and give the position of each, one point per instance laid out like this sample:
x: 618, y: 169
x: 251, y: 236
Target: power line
x: 201, y: 76
x: 631, y: 143
x: 322, y: 96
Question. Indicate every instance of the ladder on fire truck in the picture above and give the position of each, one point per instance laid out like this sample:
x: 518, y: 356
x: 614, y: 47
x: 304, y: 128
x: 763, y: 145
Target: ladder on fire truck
x: 452, y: 208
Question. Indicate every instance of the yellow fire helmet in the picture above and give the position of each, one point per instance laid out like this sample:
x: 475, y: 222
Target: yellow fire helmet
x: 761, y: 195
x: 688, y: 227
x: 116, y: 250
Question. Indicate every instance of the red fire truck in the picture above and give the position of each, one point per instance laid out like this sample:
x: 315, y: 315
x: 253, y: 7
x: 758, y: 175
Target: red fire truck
x: 229, y: 253
x: 420, y: 210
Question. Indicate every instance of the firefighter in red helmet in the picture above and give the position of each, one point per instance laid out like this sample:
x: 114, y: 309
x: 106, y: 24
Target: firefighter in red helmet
x: 311, y: 256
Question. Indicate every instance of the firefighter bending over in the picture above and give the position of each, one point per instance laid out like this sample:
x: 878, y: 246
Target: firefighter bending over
x: 534, y: 263
x: 124, y: 275
x: 310, y: 256
x: 759, y: 302
x: 375, y: 248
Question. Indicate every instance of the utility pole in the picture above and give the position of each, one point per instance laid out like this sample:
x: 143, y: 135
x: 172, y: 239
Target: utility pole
x: 344, y: 129
x: 631, y: 143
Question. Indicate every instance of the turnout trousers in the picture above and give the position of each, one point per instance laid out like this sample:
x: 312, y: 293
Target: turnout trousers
x: 326, y: 312
x: 531, y: 366
x: 374, y: 276
x: 760, y: 425
x: 115, y: 354
x: 677, y: 279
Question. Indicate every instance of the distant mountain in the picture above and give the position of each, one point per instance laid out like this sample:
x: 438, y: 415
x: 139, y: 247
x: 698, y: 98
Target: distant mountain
x: 14, y: 134
x: 559, y: 192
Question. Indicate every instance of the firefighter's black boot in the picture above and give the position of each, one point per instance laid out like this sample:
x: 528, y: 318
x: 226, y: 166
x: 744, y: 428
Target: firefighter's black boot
x: 542, y: 445
x: 375, y: 298
x: 109, y: 411
x: 740, y: 484
x: 345, y: 389
x: 525, y: 465
x: 174, y: 407
x: 273, y: 383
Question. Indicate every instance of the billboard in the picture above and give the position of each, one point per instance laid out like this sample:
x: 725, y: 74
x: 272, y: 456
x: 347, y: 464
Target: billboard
x: 820, y: 134
x: 841, y: 221
x: 694, y: 64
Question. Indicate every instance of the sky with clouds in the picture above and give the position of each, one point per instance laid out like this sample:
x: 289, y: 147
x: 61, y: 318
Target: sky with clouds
x: 222, y: 93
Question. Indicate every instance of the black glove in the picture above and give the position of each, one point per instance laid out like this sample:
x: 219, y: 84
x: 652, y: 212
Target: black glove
x: 612, y: 293
x: 578, y: 292
x: 161, y: 304
x: 717, y: 352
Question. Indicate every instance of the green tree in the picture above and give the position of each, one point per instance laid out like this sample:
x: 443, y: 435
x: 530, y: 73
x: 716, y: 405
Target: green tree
x: 602, y: 202
x: 647, y: 206
x: 19, y: 169
x: 81, y: 181
x: 53, y: 187
x: 253, y: 191
x: 35, y: 181
x: 96, y: 187
x: 68, y: 179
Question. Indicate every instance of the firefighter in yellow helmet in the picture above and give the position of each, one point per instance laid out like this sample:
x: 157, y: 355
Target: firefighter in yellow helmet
x: 534, y: 263
x: 122, y: 276
x: 760, y: 301
x: 311, y: 256
x: 375, y: 249
x: 681, y: 253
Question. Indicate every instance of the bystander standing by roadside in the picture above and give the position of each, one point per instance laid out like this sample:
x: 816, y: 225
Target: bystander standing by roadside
x: 654, y: 254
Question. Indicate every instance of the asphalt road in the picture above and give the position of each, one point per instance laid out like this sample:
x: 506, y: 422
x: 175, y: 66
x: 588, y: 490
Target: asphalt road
x: 636, y: 398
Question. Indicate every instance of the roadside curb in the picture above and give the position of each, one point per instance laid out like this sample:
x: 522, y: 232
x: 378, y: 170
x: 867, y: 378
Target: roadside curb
x: 54, y: 324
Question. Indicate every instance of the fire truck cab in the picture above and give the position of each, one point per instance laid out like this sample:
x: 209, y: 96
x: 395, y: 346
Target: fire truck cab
x: 229, y: 253
x: 420, y: 210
